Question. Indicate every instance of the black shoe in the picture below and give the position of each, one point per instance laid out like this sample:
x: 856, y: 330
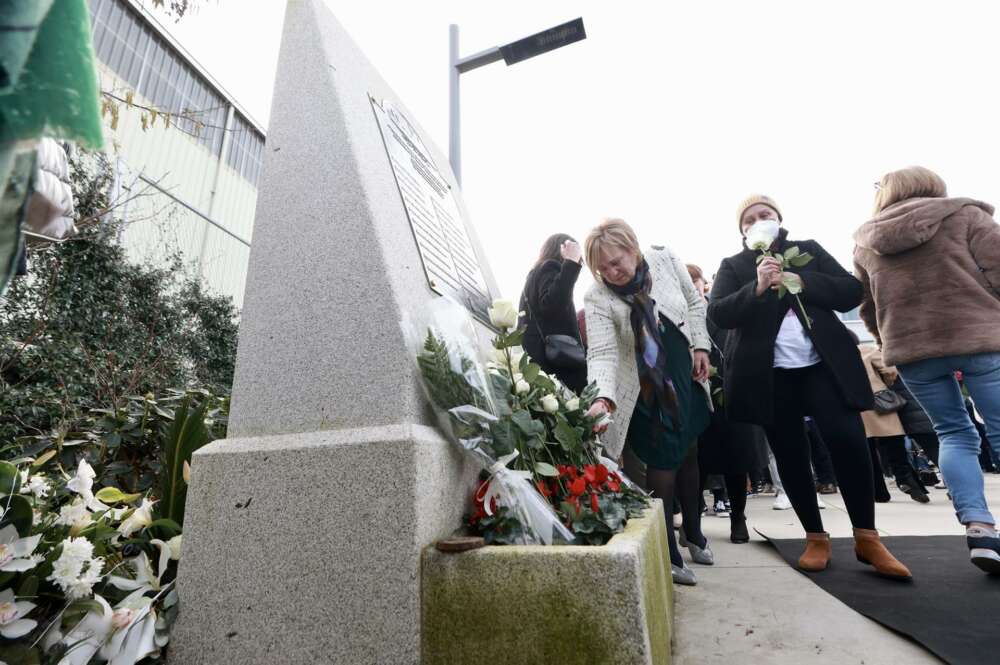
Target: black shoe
x: 826, y: 488
x: 738, y: 529
x: 984, y: 552
x: 916, y: 492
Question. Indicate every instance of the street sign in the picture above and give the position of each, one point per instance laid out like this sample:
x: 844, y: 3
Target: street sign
x: 543, y: 42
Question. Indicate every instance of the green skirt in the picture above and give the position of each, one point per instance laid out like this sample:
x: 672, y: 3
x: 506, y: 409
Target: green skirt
x: 665, y: 447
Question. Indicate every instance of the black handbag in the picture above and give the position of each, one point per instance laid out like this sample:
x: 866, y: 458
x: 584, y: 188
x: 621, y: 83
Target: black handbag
x: 561, y: 351
x: 888, y: 401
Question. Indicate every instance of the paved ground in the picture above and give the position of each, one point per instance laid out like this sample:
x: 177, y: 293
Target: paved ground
x: 752, y: 608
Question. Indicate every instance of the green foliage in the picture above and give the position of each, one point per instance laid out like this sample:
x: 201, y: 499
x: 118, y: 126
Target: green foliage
x: 88, y: 328
x: 185, y: 435
x: 448, y: 388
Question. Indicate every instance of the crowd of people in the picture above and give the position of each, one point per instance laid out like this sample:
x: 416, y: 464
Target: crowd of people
x: 754, y: 382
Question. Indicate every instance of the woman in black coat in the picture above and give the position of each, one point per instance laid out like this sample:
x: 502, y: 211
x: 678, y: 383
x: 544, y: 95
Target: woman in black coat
x: 547, y: 305
x: 727, y: 448
x: 783, y: 363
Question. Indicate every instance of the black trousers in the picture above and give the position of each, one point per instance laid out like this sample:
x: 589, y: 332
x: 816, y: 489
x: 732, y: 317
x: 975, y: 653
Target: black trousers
x: 812, y: 391
x: 822, y: 464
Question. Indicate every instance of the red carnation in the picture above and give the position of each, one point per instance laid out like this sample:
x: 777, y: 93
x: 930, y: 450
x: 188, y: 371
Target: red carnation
x: 590, y: 473
x: 578, y: 487
x: 601, y: 472
x: 593, y: 502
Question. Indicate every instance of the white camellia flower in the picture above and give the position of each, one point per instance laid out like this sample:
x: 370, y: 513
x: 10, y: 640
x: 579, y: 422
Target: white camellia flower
x: 573, y: 404
x: 12, y: 625
x: 503, y: 314
x: 521, y: 387
x: 550, y: 404
x: 141, y: 517
x: 15, y: 552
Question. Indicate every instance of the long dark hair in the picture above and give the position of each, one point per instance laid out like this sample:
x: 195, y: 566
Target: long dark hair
x: 552, y: 248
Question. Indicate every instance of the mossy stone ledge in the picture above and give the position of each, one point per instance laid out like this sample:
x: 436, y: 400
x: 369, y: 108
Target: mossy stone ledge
x: 569, y: 605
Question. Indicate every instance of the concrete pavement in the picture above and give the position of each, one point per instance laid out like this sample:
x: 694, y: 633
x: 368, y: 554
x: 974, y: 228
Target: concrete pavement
x: 753, y: 608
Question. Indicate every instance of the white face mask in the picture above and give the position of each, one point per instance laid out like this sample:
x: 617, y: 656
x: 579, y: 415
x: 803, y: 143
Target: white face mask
x: 762, y: 234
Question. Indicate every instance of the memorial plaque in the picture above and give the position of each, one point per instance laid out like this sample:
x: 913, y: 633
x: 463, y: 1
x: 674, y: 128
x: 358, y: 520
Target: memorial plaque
x: 449, y: 260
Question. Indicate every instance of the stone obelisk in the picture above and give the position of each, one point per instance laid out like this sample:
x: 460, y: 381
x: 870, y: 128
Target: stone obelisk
x: 304, y: 527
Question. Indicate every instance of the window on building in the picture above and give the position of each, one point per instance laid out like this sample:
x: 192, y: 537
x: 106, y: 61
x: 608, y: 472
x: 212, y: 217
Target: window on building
x: 145, y: 61
x: 246, y: 149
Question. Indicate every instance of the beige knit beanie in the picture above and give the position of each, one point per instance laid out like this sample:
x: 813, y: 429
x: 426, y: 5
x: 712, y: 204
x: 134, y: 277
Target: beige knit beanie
x: 752, y: 200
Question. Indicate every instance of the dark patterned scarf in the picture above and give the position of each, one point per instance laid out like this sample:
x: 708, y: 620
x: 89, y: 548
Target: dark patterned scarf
x: 650, y: 356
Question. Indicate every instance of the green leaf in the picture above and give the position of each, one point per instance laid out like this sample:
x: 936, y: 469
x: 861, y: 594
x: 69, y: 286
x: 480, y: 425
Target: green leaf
x: 527, y: 424
x: 801, y: 260
x: 19, y: 514
x: 567, y: 436
x: 791, y: 253
x: 43, y: 459
x: 10, y: 479
x: 115, y: 495
x: 546, y: 469
x: 791, y: 284
x: 28, y: 588
x: 187, y: 433
x: 782, y: 290
x: 530, y: 372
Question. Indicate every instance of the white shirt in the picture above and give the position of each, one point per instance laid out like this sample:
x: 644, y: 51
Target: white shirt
x: 792, y: 346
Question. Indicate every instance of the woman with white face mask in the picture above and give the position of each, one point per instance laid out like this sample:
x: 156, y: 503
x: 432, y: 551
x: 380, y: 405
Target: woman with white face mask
x: 788, y: 358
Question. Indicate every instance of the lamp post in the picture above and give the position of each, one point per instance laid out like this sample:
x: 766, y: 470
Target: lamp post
x: 512, y: 53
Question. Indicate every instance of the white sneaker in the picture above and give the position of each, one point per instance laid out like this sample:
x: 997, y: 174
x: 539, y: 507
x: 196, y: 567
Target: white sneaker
x: 678, y: 520
x: 819, y: 502
x: 781, y: 502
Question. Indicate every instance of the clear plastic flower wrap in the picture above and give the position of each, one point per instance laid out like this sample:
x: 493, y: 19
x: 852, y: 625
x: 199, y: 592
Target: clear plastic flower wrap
x: 460, y: 390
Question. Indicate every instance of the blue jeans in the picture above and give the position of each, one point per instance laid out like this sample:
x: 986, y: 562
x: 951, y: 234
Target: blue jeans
x: 933, y: 383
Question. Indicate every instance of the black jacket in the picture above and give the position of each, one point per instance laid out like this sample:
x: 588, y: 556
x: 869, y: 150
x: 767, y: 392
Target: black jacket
x: 548, y: 296
x: 913, y: 417
x: 754, y: 323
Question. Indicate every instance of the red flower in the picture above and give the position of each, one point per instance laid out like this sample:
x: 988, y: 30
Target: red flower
x: 593, y: 502
x: 614, y: 482
x: 566, y: 470
x: 578, y: 487
x: 590, y: 473
x: 543, y: 488
x: 602, y: 473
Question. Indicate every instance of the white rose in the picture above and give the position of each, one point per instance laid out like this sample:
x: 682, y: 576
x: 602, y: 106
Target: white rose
x: 550, y: 404
x: 762, y: 234
x: 521, y: 387
x: 573, y: 404
x: 503, y: 314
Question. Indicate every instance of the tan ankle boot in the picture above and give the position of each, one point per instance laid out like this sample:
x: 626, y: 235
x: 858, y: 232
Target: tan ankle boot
x: 817, y: 554
x: 870, y: 550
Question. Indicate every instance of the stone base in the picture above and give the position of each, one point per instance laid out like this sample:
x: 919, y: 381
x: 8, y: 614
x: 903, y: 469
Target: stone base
x: 305, y: 548
x: 563, y: 604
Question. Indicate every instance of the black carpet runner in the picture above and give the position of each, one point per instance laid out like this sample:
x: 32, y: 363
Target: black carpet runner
x: 951, y: 607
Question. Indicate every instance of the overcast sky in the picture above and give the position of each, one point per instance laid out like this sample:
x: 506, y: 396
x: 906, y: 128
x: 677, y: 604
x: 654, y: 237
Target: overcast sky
x: 669, y: 113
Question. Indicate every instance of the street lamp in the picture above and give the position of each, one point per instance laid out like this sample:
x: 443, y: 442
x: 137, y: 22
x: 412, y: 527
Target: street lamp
x: 522, y: 49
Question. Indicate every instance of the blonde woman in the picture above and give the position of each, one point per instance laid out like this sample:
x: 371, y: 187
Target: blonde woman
x: 648, y: 355
x: 930, y: 267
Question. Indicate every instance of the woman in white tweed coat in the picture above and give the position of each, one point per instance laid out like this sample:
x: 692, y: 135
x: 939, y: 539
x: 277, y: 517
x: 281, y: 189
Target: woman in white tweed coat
x: 657, y: 389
